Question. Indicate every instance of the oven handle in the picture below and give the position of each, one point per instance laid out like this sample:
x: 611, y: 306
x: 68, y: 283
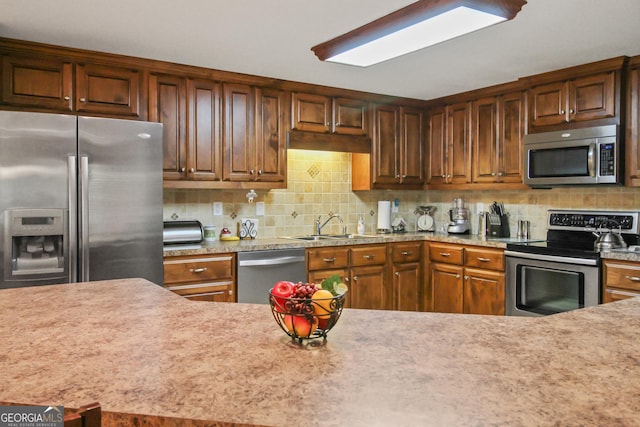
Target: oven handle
x: 552, y: 258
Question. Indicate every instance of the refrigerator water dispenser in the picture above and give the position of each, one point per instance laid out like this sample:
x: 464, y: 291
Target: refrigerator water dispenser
x: 36, y: 240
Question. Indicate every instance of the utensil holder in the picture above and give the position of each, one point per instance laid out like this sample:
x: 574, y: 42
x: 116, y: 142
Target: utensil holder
x: 504, y: 226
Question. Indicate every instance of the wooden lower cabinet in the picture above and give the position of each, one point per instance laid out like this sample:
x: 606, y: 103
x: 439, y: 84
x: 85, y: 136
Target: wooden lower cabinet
x: 621, y: 280
x: 362, y: 268
x: 406, y: 274
x: 202, y: 277
x: 447, y: 288
x: 466, y: 279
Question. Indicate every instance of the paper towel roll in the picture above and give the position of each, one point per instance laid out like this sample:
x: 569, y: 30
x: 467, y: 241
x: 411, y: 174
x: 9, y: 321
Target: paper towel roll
x: 384, y: 215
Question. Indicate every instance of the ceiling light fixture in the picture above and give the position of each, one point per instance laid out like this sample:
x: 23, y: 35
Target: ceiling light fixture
x: 416, y: 26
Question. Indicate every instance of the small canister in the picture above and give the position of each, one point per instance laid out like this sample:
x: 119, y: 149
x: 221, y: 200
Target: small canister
x: 210, y: 233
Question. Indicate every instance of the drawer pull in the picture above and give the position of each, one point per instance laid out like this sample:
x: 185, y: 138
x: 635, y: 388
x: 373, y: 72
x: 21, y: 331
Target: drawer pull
x: 484, y: 259
x: 627, y: 294
x: 198, y: 270
x: 368, y: 256
x: 633, y: 278
x: 445, y: 254
x: 329, y: 259
x: 407, y: 253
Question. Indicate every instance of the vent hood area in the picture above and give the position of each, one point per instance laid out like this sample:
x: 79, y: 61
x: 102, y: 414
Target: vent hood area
x: 302, y: 140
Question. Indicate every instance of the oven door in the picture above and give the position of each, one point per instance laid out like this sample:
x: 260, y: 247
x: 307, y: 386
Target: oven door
x: 539, y: 285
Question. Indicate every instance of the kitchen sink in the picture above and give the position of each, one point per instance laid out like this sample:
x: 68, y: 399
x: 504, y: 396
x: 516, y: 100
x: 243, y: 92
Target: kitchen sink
x: 315, y: 237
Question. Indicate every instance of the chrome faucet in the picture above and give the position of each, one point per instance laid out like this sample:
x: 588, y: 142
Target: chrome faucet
x: 320, y: 227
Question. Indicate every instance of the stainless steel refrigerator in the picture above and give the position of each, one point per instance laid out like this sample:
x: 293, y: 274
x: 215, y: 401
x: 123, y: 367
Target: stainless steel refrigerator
x: 80, y: 199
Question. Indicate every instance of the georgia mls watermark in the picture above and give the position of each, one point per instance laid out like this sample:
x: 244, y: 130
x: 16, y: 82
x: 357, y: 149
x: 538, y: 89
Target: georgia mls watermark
x: 31, y: 416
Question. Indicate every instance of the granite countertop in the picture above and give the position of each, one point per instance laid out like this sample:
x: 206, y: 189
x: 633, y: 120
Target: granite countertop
x: 151, y: 357
x: 218, y: 246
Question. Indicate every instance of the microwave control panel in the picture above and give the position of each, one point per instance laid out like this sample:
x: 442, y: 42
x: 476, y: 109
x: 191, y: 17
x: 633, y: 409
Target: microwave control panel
x: 607, y: 160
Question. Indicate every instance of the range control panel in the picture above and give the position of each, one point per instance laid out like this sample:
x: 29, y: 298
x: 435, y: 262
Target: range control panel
x: 627, y: 222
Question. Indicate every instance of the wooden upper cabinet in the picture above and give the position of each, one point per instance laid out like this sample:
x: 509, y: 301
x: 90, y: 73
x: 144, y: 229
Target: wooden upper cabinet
x: 412, y: 146
x: 459, y: 143
x: 398, y: 146
x: 239, y: 138
x: 168, y: 105
x: 450, y: 144
x: 437, y: 143
x: 326, y: 114
x: 498, y: 130
x: 350, y: 116
x: 580, y: 99
x: 632, y: 140
x: 311, y: 112
x: 58, y: 85
x: 204, y: 147
x: 109, y: 90
x: 254, y: 145
x: 386, y: 144
x: 37, y: 82
x: 271, y: 148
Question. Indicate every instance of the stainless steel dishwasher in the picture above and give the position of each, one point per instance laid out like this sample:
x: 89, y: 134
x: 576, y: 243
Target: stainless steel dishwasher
x: 258, y: 271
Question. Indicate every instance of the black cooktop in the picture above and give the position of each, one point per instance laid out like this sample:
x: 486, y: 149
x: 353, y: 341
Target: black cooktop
x: 573, y: 244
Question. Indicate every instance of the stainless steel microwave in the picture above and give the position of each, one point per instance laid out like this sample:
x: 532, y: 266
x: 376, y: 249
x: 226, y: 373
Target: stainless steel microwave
x: 573, y: 157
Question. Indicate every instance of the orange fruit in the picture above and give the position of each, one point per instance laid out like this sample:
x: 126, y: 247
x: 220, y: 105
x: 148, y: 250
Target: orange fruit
x: 322, y: 303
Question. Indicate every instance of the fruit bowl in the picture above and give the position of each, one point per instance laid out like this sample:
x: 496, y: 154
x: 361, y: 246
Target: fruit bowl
x: 306, y: 318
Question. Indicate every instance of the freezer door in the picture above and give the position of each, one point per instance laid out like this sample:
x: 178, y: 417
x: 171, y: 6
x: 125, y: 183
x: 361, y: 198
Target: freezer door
x: 120, y: 199
x: 35, y: 176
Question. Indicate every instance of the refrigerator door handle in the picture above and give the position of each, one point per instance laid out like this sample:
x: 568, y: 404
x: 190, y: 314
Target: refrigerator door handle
x: 72, y: 243
x: 83, y: 214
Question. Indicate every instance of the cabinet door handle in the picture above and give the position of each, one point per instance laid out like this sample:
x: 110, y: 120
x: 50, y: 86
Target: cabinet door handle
x: 329, y: 259
x: 571, y: 111
x: 443, y: 176
x: 192, y: 170
x: 407, y: 253
x: 198, y: 270
x: 561, y: 112
x: 483, y: 259
x: 633, y: 278
x: 83, y: 100
x: 182, y: 169
x: 457, y: 276
x: 445, y: 254
x: 466, y: 277
x: 355, y: 278
x: 397, y: 274
x: 346, y: 280
x: 368, y: 256
x: 259, y: 171
x: 66, y: 98
x: 251, y: 172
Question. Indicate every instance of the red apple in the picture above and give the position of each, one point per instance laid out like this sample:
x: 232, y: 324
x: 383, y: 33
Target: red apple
x: 281, y: 291
x: 300, y: 325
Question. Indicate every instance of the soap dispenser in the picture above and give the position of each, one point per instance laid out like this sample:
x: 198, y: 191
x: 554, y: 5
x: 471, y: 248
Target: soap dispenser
x: 361, y: 225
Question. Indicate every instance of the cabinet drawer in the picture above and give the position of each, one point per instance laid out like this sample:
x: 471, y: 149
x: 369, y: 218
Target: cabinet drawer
x: 622, y: 276
x: 406, y: 252
x: 323, y: 258
x: 198, y: 269
x: 449, y: 254
x: 491, y: 259
x: 368, y: 255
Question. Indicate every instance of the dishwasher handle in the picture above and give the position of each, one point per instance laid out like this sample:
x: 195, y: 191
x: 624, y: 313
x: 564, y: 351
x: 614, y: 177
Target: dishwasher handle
x: 270, y: 261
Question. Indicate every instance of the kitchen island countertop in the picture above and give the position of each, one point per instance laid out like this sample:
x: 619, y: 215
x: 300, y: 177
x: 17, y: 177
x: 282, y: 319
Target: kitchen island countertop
x: 153, y: 358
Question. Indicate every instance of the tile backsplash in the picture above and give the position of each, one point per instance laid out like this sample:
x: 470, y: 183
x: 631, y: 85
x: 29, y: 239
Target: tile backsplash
x: 319, y: 183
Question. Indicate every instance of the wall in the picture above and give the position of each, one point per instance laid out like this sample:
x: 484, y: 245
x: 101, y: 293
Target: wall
x: 319, y: 183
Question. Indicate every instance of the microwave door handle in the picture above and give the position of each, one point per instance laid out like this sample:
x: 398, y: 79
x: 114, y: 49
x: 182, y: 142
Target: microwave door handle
x: 591, y: 160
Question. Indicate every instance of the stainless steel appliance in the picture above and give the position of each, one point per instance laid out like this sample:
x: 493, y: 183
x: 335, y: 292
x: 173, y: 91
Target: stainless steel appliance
x: 573, y: 157
x: 181, y: 232
x: 459, y: 218
x: 258, y: 271
x: 562, y: 273
x: 80, y: 199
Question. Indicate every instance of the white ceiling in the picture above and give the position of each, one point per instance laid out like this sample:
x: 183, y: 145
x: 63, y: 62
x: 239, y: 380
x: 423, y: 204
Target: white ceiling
x: 273, y: 38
